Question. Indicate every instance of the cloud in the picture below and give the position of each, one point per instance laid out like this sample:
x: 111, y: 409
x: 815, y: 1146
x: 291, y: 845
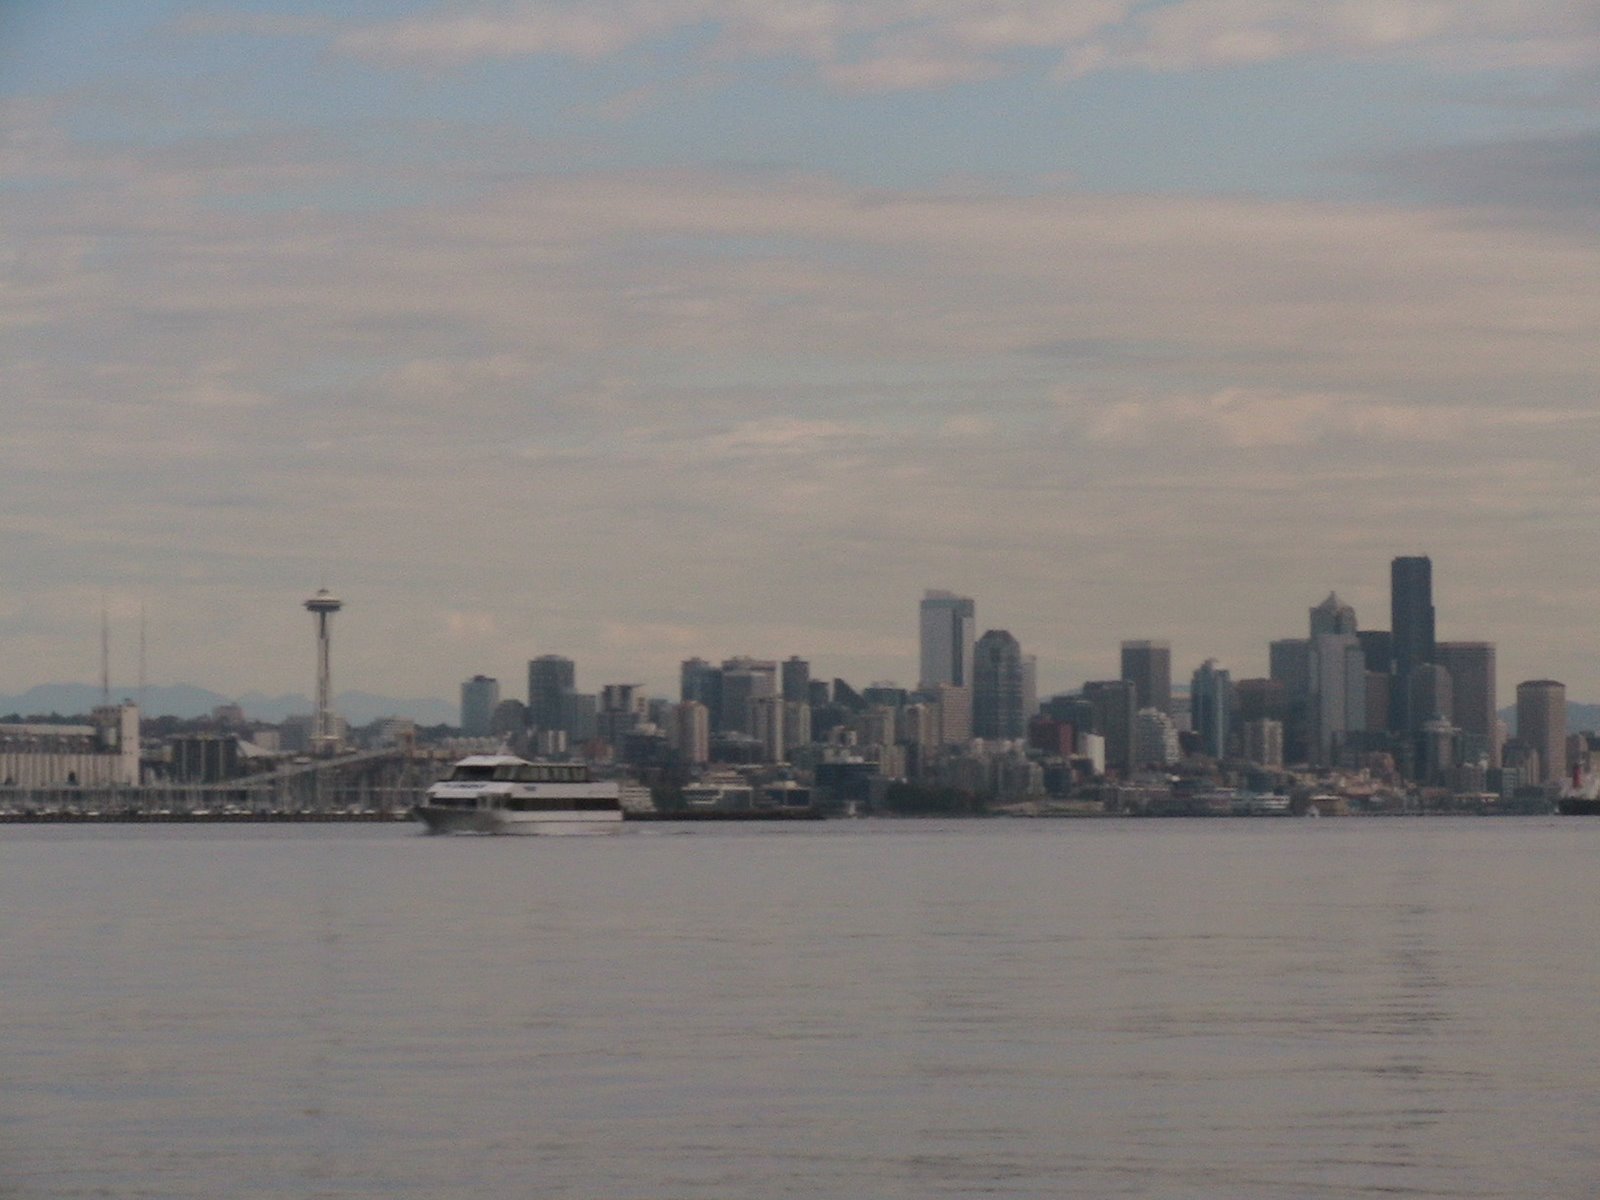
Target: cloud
x: 1554, y: 177
x: 917, y: 44
x: 1243, y: 419
x: 696, y: 403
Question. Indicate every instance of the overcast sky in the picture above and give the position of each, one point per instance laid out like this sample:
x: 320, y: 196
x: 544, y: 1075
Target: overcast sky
x: 638, y: 329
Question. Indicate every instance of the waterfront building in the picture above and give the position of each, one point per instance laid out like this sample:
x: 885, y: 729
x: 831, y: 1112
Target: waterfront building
x: 997, y: 687
x: 1148, y: 666
x: 550, y: 678
x: 947, y: 626
x: 103, y: 753
x: 479, y: 695
x: 1542, y: 726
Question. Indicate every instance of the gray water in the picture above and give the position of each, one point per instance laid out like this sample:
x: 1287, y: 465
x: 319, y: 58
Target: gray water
x: 855, y: 1009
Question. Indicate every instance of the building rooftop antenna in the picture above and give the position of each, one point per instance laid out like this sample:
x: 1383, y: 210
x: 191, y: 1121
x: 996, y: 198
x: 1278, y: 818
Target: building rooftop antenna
x: 140, y: 692
x: 105, y: 654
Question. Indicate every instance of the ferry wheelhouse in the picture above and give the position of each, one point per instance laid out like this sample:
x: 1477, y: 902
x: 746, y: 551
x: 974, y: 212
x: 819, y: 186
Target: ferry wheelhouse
x: 501, y: 793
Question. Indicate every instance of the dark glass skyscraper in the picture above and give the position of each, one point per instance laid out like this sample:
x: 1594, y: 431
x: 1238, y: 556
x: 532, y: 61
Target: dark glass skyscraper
x: 997, y: 687
x: 550, y: 678
x: 1411, y: 628
x: 1148, y: 666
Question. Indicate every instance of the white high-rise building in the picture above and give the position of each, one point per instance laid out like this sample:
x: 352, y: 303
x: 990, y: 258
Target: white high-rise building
x: 1338, y: 692
x: 947, y: 632
x: 690, y: 726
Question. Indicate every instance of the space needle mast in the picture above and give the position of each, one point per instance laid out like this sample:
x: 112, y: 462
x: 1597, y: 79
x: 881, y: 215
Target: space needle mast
x: 323, y: 738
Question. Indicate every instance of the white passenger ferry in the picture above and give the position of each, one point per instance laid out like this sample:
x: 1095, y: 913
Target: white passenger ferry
x: 500, y: 793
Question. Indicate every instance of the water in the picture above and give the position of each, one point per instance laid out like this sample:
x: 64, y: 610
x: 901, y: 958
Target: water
x: 853, y: 1009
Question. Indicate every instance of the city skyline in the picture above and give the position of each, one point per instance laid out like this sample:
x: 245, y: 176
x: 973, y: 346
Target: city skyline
x: 631, y: 332
x: 1114, y: 661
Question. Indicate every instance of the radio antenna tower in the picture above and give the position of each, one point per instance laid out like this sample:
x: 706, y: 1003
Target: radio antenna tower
x: 105, y: 654
x: 140, y: 692
x: 322, y: 606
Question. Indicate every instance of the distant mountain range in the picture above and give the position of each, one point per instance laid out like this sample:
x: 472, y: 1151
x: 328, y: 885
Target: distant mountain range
x: 187, y: 701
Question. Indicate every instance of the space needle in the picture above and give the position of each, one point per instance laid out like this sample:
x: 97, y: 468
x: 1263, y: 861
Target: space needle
x: 324, y: 740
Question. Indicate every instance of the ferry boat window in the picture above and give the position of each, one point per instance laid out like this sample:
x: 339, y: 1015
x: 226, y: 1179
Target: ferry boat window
x: 465, y: 772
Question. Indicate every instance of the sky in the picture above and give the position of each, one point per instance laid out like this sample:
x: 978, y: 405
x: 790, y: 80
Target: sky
x: 632, y: 330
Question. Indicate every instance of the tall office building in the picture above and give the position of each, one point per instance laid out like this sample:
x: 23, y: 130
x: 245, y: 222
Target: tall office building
x: 701, y: 682
x: 947, y: 626
x: 1148, y: 666
x: 796, y: 680
x: 1472, y: 677
x: 1338, y: 696
x: 1542, y: 725
x: 1333, y: 616
x: 1411, y: 632
x: 745, y: 680
x: 1291, y: 667
x: 689, y: 728
x: 1430, y: 693
x: 550, y: 678
x: 1115, y: 703
x: 998, y: 687
x: 1210, y: 706
x: 479, y: 695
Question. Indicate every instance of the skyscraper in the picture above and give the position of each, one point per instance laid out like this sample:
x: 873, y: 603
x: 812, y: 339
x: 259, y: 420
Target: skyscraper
x: 1472, y: 675
x: 701, y: 682
x: 947, y: 626
x: 745, y: 680
x: 1148, y: 666
x: 796, y: 680
x: 1211, y: 702
x: 1333, y: 616
x: 550, y: 678
x: 1542, y: 725
x: 479, y: 696
x: 1411, y: 628
x: 1114, y: 708
x: 1338, y: 697
x: 997, y: 687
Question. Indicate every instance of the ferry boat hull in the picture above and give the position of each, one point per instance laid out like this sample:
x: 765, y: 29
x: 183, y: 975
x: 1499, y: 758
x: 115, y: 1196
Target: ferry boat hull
x: 498, y: 821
